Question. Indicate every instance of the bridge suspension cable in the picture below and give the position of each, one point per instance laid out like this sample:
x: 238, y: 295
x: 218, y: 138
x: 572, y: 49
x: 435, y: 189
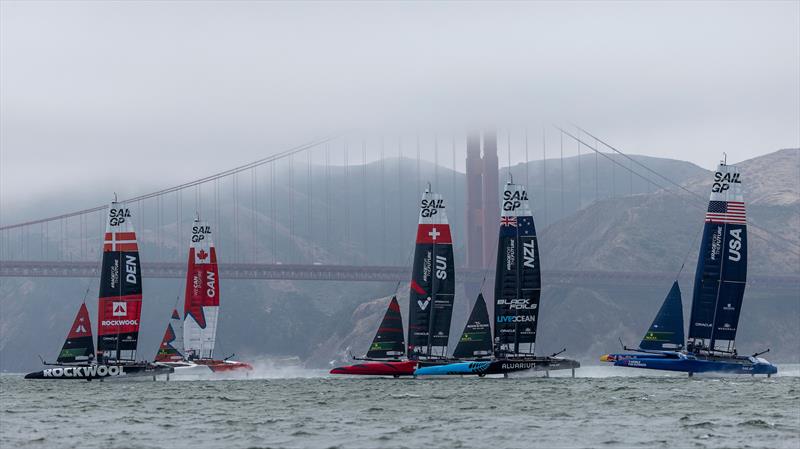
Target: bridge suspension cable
x: 222, y: 174
x: 701, y: 201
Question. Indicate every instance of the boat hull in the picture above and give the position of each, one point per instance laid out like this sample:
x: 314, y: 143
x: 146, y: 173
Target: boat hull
x: 499, y: 366
x: 210, y: 367
x: 101, y: 372
x: 395, y: 369
x: 614, y: 357
x: 690, y: 364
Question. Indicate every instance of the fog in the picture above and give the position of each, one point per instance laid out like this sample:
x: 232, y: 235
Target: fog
x: 150, y: 94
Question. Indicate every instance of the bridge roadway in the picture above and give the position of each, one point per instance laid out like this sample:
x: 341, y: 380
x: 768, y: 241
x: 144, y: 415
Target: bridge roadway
x: 64, y: 269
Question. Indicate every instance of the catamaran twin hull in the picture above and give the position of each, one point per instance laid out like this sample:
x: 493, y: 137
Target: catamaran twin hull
x: 205, y: 367
x: 690, y: 363
x: 375, y: 368
x: 499, y: 366
x: 102, y: 372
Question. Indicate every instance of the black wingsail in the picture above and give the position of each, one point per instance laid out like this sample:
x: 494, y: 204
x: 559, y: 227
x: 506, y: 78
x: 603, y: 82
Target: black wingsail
x: 518, y: 280
x: 389, y: 342
x: 476, y: 340
x: 79, y: 345
x: 721, y: 266
x: 666, y: 332
x: 432, y: 283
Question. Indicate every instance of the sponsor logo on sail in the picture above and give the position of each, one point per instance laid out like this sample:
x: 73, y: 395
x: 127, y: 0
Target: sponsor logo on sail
x: 716, y: 243
x: 515, y: 319
x: 120, y: 323
x: 424, y: 304
x: 511, y: 254
x: 119, y: 308
x: 517, y: 304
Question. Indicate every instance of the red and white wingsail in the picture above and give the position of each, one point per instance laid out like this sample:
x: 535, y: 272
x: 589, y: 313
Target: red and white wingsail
x: 120, y: 288
x: 201, y: 306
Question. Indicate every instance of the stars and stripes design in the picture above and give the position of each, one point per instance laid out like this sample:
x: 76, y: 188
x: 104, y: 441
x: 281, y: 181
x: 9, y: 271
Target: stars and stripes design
x: 120, y: 241
x: 508, y: 221
x: 731, y: 212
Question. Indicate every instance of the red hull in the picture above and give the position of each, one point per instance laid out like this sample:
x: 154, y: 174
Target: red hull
x: 219, y: 366
x: 378, y: 369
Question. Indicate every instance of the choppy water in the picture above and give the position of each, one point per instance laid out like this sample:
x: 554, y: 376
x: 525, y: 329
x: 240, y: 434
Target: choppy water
x: 323, y: 412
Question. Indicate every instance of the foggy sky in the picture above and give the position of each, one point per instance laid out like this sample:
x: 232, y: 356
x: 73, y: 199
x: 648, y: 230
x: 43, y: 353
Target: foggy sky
x: 92, y: 92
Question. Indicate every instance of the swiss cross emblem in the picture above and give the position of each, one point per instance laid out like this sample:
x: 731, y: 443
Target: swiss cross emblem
x: 202, y: 255
x: 434, y: 233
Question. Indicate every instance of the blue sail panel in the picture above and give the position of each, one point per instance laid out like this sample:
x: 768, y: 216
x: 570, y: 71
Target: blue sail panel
x: 518, y: 280
x: 666, y: 331
x: 722, y: 264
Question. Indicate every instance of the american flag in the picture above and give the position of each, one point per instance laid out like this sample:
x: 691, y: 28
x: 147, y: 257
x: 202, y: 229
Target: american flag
x: 726, y: 212
x: 508, y: 221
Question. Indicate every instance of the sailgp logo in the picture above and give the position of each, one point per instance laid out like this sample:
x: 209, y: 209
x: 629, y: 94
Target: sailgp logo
x: 119, y: 309
x: 513, y: 200
x: 428, y: 208
x: 722, y: 181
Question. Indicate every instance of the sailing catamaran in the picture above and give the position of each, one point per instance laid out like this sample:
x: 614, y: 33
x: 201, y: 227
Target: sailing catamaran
x: 119, y: 314
x: 431, y: 297
x: 664, y: 334
x: 194, y: 352
x: 717, y: 298
x: 384, y: 357
x: 516, y: 306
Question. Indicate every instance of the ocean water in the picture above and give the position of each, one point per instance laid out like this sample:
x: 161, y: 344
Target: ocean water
x: 603, y: 407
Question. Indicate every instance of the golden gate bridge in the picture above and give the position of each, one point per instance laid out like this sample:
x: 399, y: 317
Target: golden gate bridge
x: 343, y: 209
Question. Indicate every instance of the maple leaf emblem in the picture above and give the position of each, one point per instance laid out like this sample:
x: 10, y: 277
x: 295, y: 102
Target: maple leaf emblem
x: 202, y: 255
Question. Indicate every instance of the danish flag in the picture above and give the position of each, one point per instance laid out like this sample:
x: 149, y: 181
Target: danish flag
x: 120, y: 241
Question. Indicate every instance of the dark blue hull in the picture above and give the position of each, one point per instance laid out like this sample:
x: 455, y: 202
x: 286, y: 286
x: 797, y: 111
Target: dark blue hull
x: 616, y: 357
x: 498, y: 366
x: 688, y: 363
